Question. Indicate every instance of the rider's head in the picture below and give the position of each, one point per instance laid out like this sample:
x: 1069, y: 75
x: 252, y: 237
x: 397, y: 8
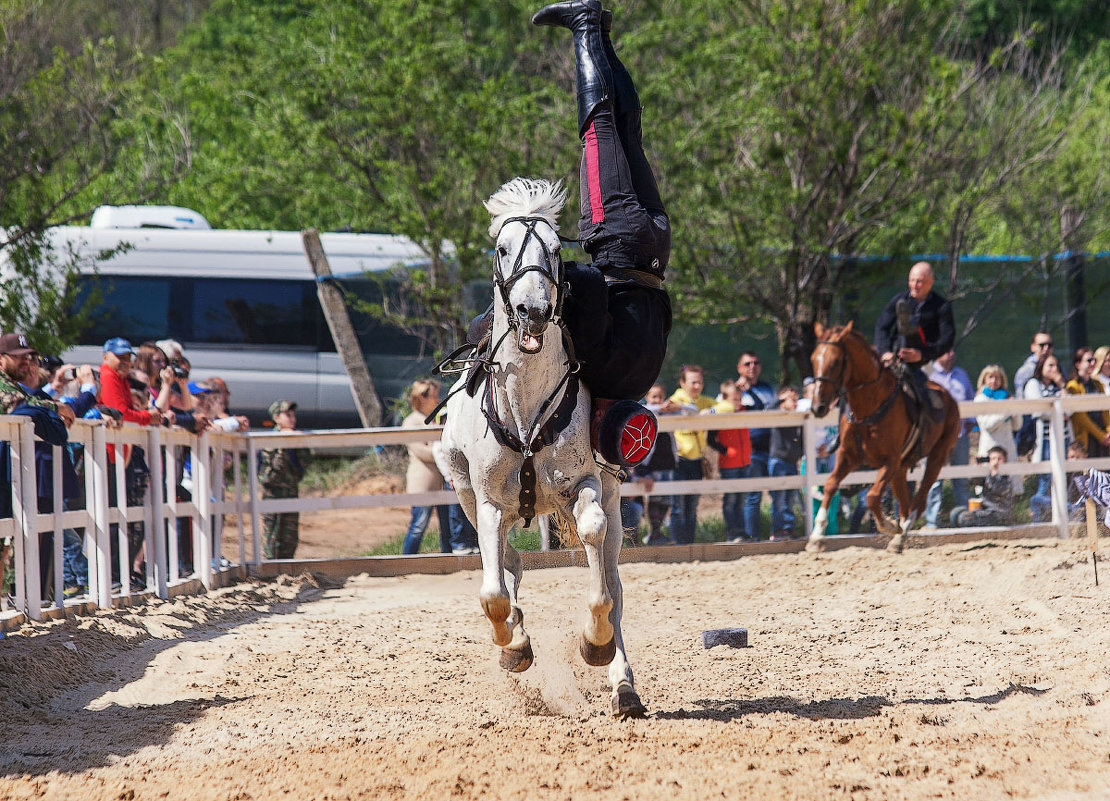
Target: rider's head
x: 921, y: 280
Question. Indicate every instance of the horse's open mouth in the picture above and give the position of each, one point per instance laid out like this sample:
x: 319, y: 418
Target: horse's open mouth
x: 529, y: 343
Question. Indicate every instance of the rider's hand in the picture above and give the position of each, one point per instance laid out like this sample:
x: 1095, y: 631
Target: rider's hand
x: 909, y: 355
x: 887, y: 359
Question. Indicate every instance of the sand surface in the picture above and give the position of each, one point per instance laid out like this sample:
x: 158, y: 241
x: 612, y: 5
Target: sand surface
x: 963, y: 671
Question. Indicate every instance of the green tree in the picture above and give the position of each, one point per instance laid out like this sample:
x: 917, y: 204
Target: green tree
x: 61, y: 94
x: 807, y: 132
x: 387, y: 116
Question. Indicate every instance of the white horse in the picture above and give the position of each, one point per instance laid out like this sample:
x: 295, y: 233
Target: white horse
x: 520, y: 447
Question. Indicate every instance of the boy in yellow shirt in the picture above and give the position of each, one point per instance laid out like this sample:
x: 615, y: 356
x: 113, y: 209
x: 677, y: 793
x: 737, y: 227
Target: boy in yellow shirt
x: 691, y: 453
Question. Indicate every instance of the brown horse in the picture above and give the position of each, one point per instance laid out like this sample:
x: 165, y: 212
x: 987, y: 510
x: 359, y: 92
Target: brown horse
x: 876, y: 429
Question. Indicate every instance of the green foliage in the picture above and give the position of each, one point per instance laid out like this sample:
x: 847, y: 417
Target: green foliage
x: 786, y: 134
x: 62, y: 93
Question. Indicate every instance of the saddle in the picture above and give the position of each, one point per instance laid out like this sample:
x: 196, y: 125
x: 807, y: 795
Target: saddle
x: 925, y: 412
x: 622, y: 431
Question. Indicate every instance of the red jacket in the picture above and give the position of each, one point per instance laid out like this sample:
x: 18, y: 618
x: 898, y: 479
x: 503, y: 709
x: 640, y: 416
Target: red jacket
x: 115, y: 392
x: 738, y: 446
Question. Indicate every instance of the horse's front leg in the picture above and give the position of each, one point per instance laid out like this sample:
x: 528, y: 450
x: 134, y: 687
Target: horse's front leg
x: 626, y: 701
x: 844, y: 466
x: 493, y: 529
x: 597, y: 645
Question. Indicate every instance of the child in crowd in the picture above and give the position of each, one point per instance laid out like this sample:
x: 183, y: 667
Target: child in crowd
x: 280, y: 471
x: 658, y: 466
x: 734, y: 447
x: 997, y: 507
x: 691, y: 453
x: 786, y: 450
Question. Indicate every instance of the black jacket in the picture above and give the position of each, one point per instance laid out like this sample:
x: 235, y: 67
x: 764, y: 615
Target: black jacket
x: 936, y: 329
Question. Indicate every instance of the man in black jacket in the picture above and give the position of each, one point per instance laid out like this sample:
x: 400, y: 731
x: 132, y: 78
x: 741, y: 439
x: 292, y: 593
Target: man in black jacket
x: 915, y: 328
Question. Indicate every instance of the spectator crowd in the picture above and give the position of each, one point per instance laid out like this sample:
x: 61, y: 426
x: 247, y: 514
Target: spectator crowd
x: 150, y: 385
x: 756, y: 452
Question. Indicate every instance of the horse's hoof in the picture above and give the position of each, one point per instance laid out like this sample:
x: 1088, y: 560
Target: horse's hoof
x: 627, y: 704
x: 815, y: 546
x: 895, y: 545
x: 516, y: 660
x: 598, y: 655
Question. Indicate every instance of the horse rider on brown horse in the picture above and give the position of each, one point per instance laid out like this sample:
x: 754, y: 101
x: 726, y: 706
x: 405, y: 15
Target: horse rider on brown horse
x: 915, y: 328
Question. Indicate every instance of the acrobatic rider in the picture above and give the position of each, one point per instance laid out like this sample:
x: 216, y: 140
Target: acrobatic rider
x: 618, y: 313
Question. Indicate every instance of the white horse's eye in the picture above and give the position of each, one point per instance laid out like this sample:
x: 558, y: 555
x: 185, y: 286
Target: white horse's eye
x: 502, y: 251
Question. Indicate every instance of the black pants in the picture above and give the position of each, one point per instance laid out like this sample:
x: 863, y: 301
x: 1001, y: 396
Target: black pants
x: 619, y: 330
x: 623, y: 220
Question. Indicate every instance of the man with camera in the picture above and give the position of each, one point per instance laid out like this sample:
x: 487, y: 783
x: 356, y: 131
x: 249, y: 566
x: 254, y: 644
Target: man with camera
x: 115, y: 392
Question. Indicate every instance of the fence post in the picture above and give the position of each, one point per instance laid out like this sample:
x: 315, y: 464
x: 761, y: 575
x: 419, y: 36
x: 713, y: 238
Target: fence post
x: 102, y: 587
x: 256, y: 518
x: 27, y: 515
x: 238, y: 469
x: 57, y: 511
x: 158, y: 512
x: 169, y: 488
x: 809, y: 478
x: 202, y: 494
x: 123, y: 528
x: 1057, y: 455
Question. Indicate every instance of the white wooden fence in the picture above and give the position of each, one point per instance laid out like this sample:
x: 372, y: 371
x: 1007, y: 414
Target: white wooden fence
x: 239, y: 495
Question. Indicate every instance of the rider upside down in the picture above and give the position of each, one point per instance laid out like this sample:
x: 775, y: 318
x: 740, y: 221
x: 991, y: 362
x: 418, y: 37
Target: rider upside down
x: 618, y: 314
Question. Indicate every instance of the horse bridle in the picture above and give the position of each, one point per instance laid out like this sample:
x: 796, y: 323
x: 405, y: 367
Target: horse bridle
x: 844, y: 391
x: 556, y: 275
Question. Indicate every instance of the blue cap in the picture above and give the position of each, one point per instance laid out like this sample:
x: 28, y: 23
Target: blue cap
x: 197, y: 389
x: 118, y: 346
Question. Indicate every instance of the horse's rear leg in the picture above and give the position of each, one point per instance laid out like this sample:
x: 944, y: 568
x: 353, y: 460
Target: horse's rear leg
x: 626, y: 701
x: 597, y: 645
x: 905, y: 512
x: 875, y: 503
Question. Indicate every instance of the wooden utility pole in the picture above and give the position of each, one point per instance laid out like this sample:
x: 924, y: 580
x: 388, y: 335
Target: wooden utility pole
x: 335, y: 312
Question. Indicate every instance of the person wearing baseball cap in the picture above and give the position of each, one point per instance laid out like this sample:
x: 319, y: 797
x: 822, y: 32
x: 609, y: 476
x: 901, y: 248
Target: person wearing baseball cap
x: 119, y: 346
x: 280, y: 407
x: 17, y: 360
x: 280, y: 471
x: 115, y: 392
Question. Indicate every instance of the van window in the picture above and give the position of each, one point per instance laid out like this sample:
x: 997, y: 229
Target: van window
x: 247, y: 312
x: 136, y: 308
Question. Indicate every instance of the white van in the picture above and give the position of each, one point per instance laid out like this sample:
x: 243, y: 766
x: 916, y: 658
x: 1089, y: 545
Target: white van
x: 243, y: 304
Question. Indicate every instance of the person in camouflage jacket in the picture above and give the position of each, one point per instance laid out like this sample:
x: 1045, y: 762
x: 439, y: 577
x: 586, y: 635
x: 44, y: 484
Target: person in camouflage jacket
x: 280, y: 471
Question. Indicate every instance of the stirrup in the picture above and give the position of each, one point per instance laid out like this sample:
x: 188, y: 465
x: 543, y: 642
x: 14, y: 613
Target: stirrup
x: 622, y: 431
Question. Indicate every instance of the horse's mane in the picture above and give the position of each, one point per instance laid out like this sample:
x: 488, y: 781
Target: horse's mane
x: 526, y: 197
x: 840, y: 332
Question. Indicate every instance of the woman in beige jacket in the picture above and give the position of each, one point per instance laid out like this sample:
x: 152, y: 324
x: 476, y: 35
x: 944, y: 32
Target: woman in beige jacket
x: 422, y: 474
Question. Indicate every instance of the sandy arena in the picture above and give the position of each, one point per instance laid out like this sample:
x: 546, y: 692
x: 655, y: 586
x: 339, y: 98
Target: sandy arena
x: 973, y: 671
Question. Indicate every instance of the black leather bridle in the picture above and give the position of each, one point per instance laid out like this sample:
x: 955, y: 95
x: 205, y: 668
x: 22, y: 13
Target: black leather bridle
x: 844, y: 391
x: 552, y: 269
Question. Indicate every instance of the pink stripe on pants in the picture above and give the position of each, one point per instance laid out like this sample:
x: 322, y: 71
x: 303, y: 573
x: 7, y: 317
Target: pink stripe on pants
x: 593, y: 177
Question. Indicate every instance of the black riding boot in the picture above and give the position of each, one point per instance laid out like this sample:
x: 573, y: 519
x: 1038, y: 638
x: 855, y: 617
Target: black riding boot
x: 594, y: 75
x: 625, y: 97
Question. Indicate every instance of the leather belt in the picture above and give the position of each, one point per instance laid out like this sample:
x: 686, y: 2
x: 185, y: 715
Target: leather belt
x: 623, y: 275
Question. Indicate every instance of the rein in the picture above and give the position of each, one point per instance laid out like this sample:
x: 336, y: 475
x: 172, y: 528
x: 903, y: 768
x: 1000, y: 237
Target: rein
x: 838, y: 382
x: 558, y: 407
